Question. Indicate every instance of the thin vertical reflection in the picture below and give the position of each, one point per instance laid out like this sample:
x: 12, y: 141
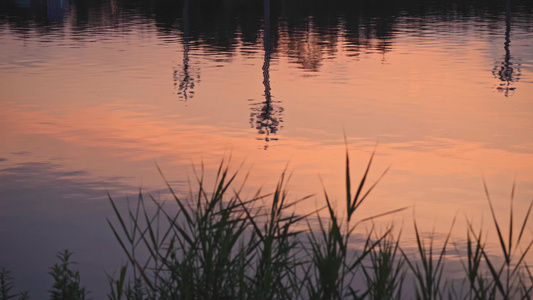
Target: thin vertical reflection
x: 185, y: 82
x: 505, y: 71
x: 266, y: 115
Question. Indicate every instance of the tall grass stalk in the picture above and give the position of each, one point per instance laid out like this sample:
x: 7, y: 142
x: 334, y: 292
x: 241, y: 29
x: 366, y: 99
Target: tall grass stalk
x: 277, y: 249
x: 386, y: 274
x: 480, y: 287
x: 508, y: 277
x: 428, y: 268
x: 333, y: 269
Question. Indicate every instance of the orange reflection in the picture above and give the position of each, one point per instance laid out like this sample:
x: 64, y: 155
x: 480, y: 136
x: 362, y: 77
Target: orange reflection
x: 440, y: 132
x: 111, y: 140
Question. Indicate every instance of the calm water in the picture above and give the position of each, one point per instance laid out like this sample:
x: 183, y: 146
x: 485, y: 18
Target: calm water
x: 93, y: 93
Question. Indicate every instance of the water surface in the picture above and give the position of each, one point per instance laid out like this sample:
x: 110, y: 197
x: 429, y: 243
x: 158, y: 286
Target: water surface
x: 94, y: 93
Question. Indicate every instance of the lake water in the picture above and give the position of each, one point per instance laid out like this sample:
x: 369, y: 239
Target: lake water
x: 95, y: 93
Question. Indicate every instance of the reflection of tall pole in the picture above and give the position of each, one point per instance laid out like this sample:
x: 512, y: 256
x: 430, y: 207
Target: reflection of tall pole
x: 506, y: 73
x: 266, y: 46
x: 187, y: 81
x: 507, y: 32
x: 263, y: 115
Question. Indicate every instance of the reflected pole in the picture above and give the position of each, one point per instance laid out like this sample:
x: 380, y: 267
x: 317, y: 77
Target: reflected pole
x: 266, y: 47
x: 264, y: 114
x: 506, y: 73
x: 187, y: 81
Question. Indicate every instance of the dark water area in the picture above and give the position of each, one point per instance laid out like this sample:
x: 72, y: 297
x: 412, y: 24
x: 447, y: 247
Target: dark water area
x: 218, y: 25
x: 92, y: 93
x: 222, y: 26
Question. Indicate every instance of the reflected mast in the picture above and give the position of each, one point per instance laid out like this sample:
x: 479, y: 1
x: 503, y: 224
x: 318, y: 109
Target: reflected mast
x: 266, y: 115
x: 186, y: 84
x: 505, y: 72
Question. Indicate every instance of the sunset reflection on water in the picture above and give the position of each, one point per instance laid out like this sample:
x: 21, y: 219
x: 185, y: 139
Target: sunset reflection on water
x: 101, y: 94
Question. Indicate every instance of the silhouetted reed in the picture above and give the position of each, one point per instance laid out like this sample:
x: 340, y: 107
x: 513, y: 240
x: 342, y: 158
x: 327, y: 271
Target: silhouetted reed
x: 217, y: 244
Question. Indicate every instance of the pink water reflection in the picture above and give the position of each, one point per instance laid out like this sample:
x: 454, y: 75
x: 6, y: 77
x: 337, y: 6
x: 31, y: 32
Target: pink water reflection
x: 110, y: 108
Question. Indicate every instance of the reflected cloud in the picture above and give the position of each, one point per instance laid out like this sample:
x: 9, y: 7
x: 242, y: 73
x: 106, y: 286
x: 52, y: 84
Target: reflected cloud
x: 21, y: 153
x: 44, y: 187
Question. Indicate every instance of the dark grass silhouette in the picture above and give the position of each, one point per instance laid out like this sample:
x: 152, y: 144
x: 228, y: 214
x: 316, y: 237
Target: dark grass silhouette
x: 216, y: 244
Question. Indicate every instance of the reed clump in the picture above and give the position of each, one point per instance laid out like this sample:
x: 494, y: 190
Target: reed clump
x: 215, y: 244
